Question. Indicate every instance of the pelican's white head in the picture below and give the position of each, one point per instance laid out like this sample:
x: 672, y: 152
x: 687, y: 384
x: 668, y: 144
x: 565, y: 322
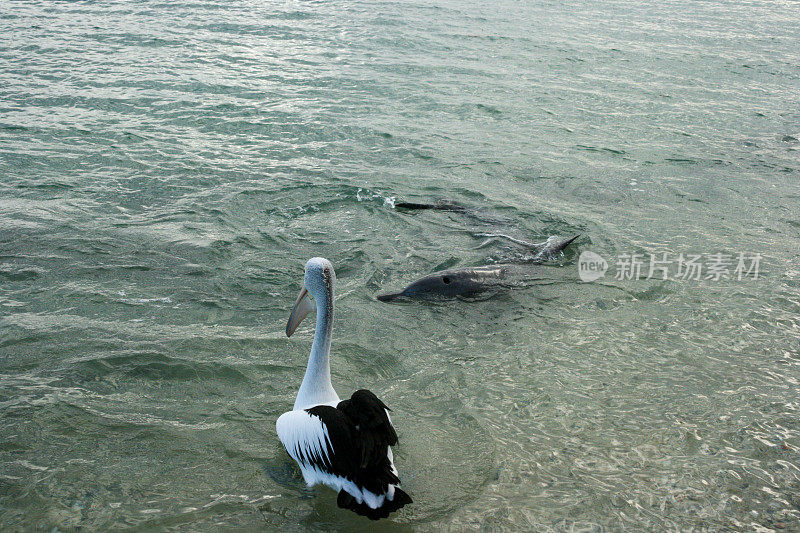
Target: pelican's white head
x: 318, y: 284
x: 319, y: 278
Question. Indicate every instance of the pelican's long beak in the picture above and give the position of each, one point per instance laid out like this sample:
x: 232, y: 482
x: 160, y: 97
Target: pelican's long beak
x: 302, y: 307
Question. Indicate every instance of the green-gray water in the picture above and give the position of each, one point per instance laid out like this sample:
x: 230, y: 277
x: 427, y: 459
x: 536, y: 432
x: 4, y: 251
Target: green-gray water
x: 166, y: 168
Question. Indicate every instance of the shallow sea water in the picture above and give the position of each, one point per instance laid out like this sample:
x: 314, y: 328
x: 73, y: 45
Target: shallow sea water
x: 166, y: 168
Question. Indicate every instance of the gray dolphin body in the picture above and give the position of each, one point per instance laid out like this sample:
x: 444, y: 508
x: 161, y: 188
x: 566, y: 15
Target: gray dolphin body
x: 470, y: 281
x: 463, y: 282
x: 438, y: 206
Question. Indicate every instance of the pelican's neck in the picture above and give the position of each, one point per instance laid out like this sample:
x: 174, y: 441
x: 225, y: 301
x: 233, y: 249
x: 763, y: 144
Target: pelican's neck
x: 316, y: 388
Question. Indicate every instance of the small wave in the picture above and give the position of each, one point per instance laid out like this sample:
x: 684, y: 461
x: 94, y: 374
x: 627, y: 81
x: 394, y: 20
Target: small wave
x: 143, y: 301
x: 365, y: 195
x: 488, y: 109
x: 599, y: 149
x: 20, y: 274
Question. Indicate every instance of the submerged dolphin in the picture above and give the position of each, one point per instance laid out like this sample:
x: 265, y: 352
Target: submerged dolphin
x: 470, y: 281
x: 442, y: 205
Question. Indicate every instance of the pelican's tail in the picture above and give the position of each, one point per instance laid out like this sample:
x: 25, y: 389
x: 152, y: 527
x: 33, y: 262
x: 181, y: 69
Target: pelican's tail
x: 347, y: 501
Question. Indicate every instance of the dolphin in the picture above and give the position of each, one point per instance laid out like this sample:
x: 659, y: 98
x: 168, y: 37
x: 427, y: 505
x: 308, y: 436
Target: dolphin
x: 442, y: 205
x: 470, y: 281
x: 461, y: 282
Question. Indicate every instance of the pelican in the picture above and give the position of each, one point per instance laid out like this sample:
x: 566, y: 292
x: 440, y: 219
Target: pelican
x: 345, y: 445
